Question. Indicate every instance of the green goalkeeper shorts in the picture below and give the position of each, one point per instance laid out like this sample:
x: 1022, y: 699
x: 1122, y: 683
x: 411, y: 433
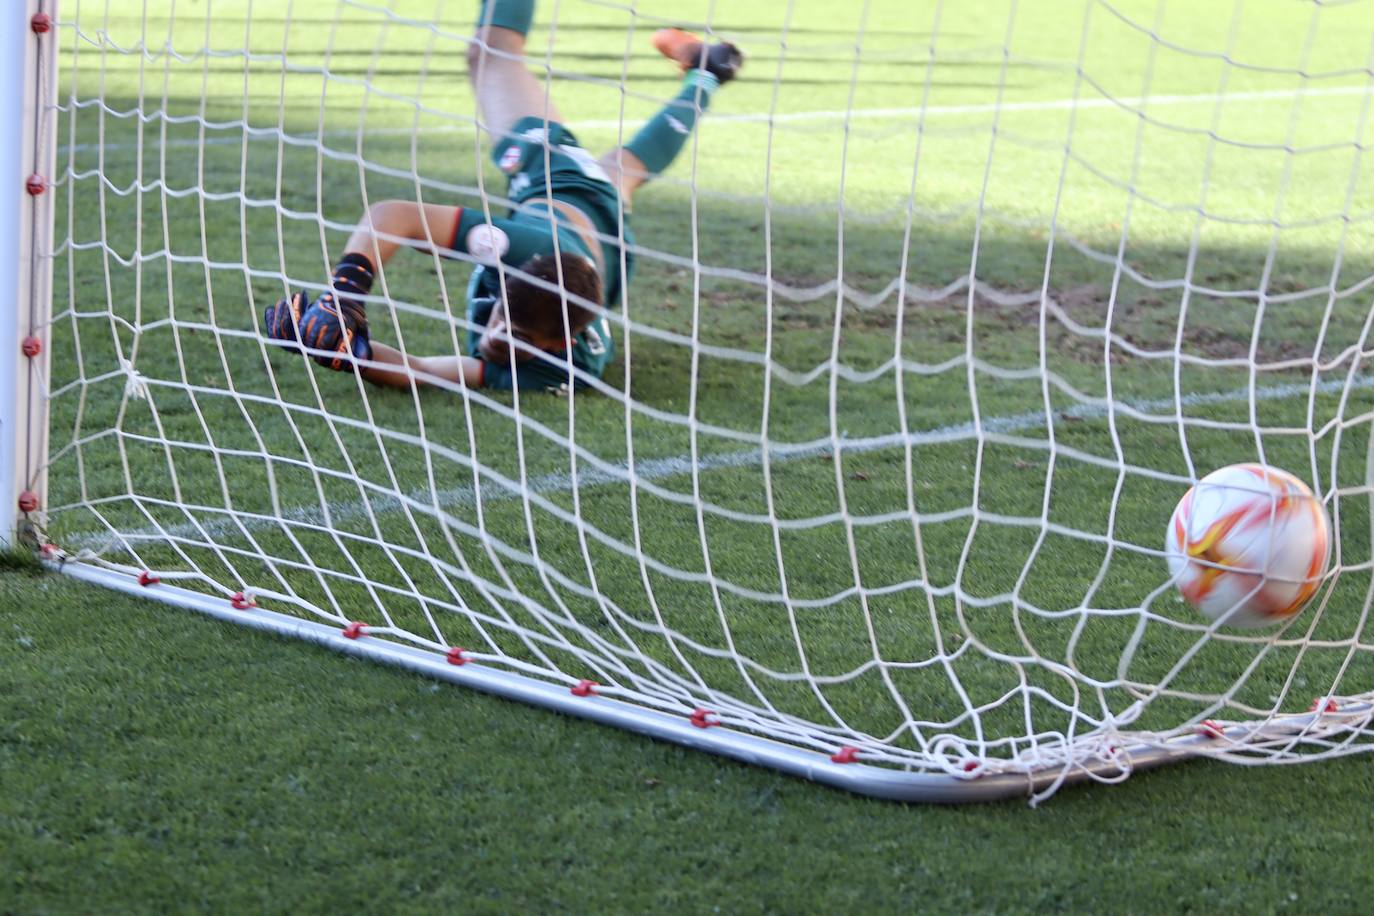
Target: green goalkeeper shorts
x: 569, y: 174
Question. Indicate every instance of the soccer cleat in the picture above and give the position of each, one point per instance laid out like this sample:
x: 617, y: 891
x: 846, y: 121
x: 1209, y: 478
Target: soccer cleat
x: 336, y: 326
x: 721, y: 60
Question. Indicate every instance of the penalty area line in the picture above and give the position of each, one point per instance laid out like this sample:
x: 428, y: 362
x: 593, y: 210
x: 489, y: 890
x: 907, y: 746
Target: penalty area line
x: 656, y: 469
x: 263, y: 134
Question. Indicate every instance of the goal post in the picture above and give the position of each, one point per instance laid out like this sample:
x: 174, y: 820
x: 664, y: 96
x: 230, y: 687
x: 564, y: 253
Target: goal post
x: 28, y: 111
x: 937, y: 314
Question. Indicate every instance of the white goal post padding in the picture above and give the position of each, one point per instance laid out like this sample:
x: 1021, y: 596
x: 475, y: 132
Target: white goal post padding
x: 932, y: 325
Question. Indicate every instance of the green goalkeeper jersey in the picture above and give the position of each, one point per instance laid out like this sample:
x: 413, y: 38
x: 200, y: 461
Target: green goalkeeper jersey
x: 543, y: 160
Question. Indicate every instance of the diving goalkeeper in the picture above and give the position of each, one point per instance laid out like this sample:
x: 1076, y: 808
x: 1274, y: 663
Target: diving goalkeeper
x: 545, y: 272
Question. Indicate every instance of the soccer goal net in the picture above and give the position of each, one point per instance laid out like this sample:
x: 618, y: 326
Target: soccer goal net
x: 939, y: 311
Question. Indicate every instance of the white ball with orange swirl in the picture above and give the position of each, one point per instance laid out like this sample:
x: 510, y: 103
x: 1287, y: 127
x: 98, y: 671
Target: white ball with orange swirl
x: 1249, y: 545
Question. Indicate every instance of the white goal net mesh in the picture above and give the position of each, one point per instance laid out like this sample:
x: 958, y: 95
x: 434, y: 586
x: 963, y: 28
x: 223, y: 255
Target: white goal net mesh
x: 939, y: 313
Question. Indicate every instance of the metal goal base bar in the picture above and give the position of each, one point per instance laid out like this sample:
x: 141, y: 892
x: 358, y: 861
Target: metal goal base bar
x: 857, y: 777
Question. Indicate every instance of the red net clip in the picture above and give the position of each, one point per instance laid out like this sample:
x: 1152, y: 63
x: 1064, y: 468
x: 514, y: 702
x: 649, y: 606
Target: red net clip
x: 50, y: 550
x: 1319, y: 706
x: 40, y: 23
x: 699, y: 718
x: 31, y: 346
x: 970, y: 766
x: 846, y: 754
x: 35, y: 184
x: 28, y: 501
x: 455, y: 656
x: 355, y: 629
x: 584, y: 688
x: 1210, y: 728
x: 146, y: 579
x: 240, y: 601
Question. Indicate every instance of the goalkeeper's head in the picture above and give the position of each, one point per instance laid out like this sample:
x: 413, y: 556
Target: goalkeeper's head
x: 533, y: 310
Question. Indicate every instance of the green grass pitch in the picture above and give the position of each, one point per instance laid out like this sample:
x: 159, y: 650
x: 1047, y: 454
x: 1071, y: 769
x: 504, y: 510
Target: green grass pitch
x: 157, y: 759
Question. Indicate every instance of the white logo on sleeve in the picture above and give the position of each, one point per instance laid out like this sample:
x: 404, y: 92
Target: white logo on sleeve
x: 487, y: 243
x: 592, y: 338
x: 510, y: 159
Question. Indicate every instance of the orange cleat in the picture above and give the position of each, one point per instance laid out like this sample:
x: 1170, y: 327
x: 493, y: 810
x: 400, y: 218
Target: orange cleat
x: 721, y: 60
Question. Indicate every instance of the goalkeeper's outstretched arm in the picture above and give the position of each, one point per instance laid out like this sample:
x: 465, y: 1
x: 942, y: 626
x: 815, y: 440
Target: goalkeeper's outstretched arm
x: 335, y: 325
x: 400, y: 370
x: 385, y: 229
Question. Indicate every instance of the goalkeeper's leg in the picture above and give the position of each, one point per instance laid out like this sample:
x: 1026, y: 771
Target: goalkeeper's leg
x: 506, y: 91
x: 706, y: 67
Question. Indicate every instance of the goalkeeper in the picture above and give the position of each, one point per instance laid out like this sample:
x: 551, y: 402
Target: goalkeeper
x: 547, y: 271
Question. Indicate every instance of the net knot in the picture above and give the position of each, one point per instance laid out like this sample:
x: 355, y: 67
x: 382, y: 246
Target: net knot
x: 135, y: 385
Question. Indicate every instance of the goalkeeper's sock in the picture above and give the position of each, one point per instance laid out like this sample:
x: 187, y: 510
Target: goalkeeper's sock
x: 352, y: 279
x: 662, y: 138
x: 515, y: 15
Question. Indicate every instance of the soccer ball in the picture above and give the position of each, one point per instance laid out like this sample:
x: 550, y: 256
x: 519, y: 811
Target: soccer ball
x: 1248, y: 545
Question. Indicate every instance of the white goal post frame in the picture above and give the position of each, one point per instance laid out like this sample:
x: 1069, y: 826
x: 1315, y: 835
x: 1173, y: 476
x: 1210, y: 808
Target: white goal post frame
x: 29, y: 44
x: 28, y: 52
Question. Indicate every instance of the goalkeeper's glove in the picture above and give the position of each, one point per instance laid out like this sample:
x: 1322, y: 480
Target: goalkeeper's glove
x: 330, y: 324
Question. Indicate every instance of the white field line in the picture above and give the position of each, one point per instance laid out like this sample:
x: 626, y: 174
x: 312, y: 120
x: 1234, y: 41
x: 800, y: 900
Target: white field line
x: 728, y: 120
x: 661, y: 468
